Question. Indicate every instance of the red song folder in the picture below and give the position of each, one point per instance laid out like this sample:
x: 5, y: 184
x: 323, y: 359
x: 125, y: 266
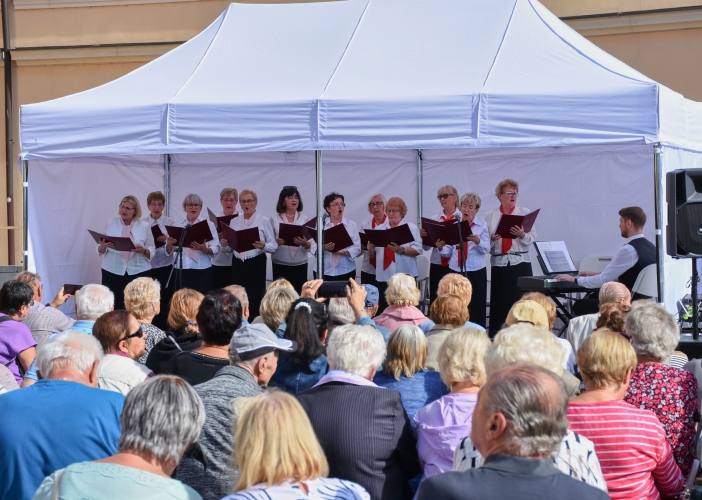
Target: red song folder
x: 222, y: 218
x: 508, y: 221
x: 157, y: 233
x: 447, y: 231
x: 339, y: 236
x: 399, y: 235
x: 240, y: 241
x: 289, y: 232
x: 121, y: 244
x: 199, y: 233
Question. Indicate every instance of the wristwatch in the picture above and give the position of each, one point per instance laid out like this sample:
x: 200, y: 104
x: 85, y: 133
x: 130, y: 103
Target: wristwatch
x: 402, y: 250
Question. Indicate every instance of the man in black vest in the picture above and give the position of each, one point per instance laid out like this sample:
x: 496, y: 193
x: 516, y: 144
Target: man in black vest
x: 626, y: 264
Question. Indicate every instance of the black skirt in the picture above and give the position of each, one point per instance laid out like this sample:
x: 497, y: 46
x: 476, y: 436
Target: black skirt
x: 117, y: 283
x: 478, y: 303
x: 251, y: 274
x: 296, y: 275
x: 369, y: 279
x: 161, y: 275
x: 221, y: 276
x: 197, y: 279
x: 436, y: 272
x: 504, y: 292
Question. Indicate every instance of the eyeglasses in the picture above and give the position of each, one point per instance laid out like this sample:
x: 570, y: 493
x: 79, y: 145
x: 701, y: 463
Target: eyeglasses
x: 139, y: 333
x: 444, y: 196
x: 126, y: 208
x: 470, y: 207
x: 246, y: 202
x: 193, y: 205
x: 376, y: 204
x: 511, y: 193
x: 229, y: 200
x: 338, y: 205
x: 289, y: 187
x: 392, y: 211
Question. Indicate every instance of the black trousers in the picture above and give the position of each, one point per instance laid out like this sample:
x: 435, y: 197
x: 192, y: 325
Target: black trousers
x: 296, y: 275
x: 436, y: 272
x: 161, y: 274
x: 116, y: 284
x: 478, y: 303
x: 369, y: 279
x: 251, y: 274
x: 221, y: 276
x: 197, y: 279
x: 504, y: 292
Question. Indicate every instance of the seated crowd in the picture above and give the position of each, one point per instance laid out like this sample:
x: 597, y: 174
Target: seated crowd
x: 322, y: 399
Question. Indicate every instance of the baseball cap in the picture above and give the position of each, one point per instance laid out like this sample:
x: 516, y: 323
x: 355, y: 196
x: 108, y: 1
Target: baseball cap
x: 372, y: 295
x: 527, y: 311
x: 256, y: 339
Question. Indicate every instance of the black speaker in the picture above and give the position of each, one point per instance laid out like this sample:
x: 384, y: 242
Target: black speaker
x: 684, y: 229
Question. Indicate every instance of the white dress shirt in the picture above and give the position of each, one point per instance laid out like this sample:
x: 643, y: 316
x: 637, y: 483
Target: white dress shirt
x: 160, y: 259
x: 476, y: 253
x: 580, y: 328
x: 366, y: 266
x: 265, y: 234
x: 113, y: 261
x: 435, y: 254
x: 520, y: 246
x: 283, y: 255
x: 403, y: 263
x: 224, y: 256
x: 346, y: 264
x: 204, y: 260
x: 625, y: 258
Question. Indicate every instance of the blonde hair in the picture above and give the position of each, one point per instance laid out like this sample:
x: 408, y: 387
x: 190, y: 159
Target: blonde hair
x: 407, y: 352
x: 399, y: 203
x: 134, y: 201
x: 526, y: 343
x: 140, y: 295
x: 371, y: 199
x: 402, y: 290
x: 184, y: 306
x: 280, y: 283
x: 473, y: 198
x: 462, y: 357
x: 248, y: 191
x: 449, y: 189
x: 450, y: 310
x: 456, y: 284
x: 503, y: 184
x: 275, y: 306
x: 604, y: 359
x: 228, y: 191
x: 544, y: 302
x: 275, y: 442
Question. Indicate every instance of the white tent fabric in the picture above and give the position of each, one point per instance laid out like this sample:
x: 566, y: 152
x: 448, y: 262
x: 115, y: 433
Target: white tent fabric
x: 368, y: 74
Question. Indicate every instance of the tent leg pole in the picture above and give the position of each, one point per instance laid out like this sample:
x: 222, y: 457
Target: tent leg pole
x: 167, y: 182
x: 320, y: 212
x: 657, y: 189
x: 25, y: 210
x: 420, y: 188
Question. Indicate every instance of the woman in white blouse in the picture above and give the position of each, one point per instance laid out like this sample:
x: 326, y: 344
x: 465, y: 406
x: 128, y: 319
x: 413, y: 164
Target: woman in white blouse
x: 160, y: 263
x: 376, y: 207
x: 196, y: 270
x: 290, y: 262
x: 222, y: 262
x: 249, y: 268
x: 509, y: 257
x: 339, y: 263
x: 474, y: 251
x: 396, y: 258
x: 120, y: 268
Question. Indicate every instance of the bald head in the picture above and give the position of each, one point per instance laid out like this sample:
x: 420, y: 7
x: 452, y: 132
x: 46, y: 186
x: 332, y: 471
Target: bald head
x: 614, y: 292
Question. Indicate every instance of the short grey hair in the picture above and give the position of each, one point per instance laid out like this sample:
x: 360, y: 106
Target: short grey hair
x: 613, y: 292
x: 92, y: 301
x: 29, y: 278
x: 536, y: 417
x: 161, y: 417
x: 469, y: 198
x: 341, y: 312
x: 192, y: 198
x: 72, y: 349
x: 654, y: 332
x: 524, y: 342
x: 356, y: 349
x: 385, y: 202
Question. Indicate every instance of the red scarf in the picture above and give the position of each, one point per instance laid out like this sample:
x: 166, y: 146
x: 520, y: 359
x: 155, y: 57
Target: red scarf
x: 465, y: 248
x: 445, y: 260
x: 389, y: 255
x: 506, y: 242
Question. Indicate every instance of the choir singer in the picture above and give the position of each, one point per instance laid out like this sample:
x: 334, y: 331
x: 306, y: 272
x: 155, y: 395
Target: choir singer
x: 376, y: 207
x: 160, y: 263
x: 222, y: 262
x: 340, y: 264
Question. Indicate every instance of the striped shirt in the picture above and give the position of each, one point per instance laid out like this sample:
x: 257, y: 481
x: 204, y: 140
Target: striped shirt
x: 318, y: 489
x: 635, y: 456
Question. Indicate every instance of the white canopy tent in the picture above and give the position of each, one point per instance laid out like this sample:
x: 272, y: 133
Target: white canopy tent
x: 485, y: 88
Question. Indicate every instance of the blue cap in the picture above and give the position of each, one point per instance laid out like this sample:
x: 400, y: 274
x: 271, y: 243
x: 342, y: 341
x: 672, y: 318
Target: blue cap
x: 373, y: 295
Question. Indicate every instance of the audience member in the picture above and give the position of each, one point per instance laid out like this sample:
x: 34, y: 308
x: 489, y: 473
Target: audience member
x: 44, y: 320
x: 405, y: 370
x: 122, y: 339
x: 670, y: 393
x: 443, y: 423
x: 363, y: 429
x: 280, y: 457
x: 218, y: 318
x: 253, y: 357
x: 280, y: 283
x: 582, y: 326
x: 60, y: 420
x: 448, y: 311
x: 308, y: 324
x: 161, y: 419
x: 458, y: 284
x: 7, y: 380
x: 239, y: 292
x: 275, y: 306
x: 17, y: 346
x: 636, y: 459
x: 182, y: 335
x: 142, y: 298
x: 402, y: 295
x: 518, y: 424
x: 341, y: 312
x: 372, y: 304
x: 612, y: 316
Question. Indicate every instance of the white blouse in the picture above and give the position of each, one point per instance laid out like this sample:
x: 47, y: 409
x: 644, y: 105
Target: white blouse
x: 346, y: 264
x: 476, y: 253
x: 520, y: 246
x: 283, y: 255
x: 366, y: 266
x: 224, y: 256
x: 204, y: 260
x: 160, y: 259
x: 403, y: 263
x: 113, y: 261
x: 265, y: 233
x: 435, y: 255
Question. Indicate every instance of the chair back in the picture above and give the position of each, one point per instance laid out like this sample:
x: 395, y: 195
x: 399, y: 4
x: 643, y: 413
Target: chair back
x: 595, y: 263
x: 647, y: 282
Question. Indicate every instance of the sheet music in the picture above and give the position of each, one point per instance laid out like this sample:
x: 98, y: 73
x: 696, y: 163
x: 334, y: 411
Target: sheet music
x: 555, y: 257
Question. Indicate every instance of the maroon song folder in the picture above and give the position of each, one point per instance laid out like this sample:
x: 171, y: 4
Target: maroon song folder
x: 447, y: 231
x: 199, y: 232
x: 121, y: 244
x: 289, y: 232
x: 339, y: 236
x: 222, y: 218
x: 157, y: 233
x: 508, y: 221
x: 240, y: 241
x: 399, y: 235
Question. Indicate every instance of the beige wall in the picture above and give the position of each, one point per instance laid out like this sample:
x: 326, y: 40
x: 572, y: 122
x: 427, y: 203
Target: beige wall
x: 60, y: 33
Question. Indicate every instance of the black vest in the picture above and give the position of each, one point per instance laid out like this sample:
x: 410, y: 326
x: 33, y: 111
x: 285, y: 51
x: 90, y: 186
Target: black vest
x: 647, y: 256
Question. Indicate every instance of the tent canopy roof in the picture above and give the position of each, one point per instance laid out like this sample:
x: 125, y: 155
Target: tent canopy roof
x: 368, y: 74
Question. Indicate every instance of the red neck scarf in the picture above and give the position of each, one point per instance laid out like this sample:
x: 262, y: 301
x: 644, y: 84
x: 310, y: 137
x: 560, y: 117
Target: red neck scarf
x: 445, y: 260
x: 506, y: 242
x: 465, y: 247
x: 388, y: 254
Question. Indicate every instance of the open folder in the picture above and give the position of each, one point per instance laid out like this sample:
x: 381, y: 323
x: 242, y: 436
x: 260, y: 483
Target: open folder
x: 447, y: 231
x: 121, y: 243
x: 157, y: 233
x: 240, y: 241
x: 222, y: 218
x: 399, y: 235
x: 509, y: 221
x: 198, y: 233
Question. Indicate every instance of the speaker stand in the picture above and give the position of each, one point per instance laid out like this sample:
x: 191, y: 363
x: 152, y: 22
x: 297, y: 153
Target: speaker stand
x: 695, y: 304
